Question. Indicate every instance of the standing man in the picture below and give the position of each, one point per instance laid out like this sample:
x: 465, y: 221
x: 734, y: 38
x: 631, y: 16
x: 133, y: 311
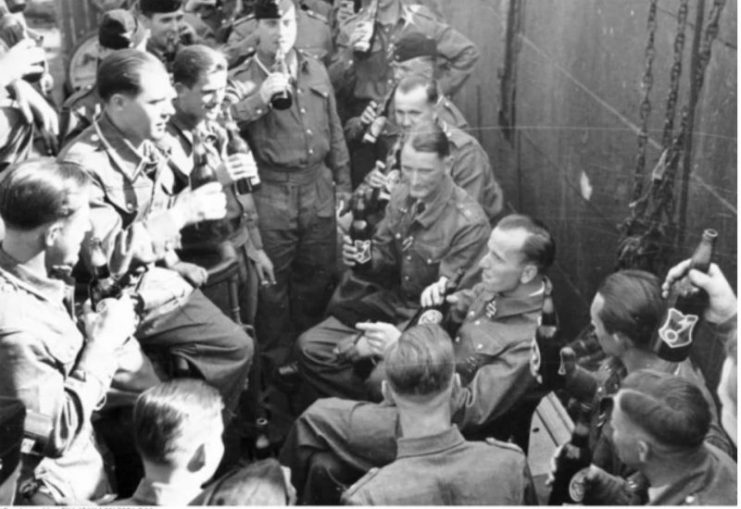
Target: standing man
x: 303, y: 164
x: 56, y: 370
x: 134, y: 189
x: 167, y: 29
x: 200, y: 78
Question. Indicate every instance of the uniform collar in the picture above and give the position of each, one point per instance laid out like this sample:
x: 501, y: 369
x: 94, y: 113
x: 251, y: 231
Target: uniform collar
x: 434, y: 208
x: 507, y: 306
x: 160, y: 494
x: 130, y: 160
x: 432, y: 444
x: 45, y: 288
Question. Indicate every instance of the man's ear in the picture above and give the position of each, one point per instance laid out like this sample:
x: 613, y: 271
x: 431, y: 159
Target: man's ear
x: 457, y: 384
x: 623, y: 341
x: 179, y: 88
x: 198, y: 459
x: 118, y: 102
x: 528, y: 273
x: 644, y: 450
x: 388, y: 394
x: 51, y: 233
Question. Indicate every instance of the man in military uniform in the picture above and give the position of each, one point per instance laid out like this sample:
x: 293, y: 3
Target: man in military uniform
x: 57, y: 369
x: 342, y: 10
x: 312, y: 36
x: 498, y: 318
x: 118, y: 29
x: 135, y: 189
x: 303, y: 164
x: 168, y: 30
x: 200, y: 77
x: 659, y: 423
x: 432, y: 230
x: 435, y: 465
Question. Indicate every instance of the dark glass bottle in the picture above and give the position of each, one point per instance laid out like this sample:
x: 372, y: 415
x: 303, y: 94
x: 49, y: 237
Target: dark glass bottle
x: 685, y: 305
x: 262, y: 439
x: 568, y: 479
x: 362, y: 47
x: 237, y: 145
x: 545, y: 358
x: 437, y: 314
x: 361, y: 234
x: 283, y: 99
x: 202, y: 172
x: 103, y: 285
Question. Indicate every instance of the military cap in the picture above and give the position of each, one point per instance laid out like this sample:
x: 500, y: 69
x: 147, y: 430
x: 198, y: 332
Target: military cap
x: 160, y: 6
x: 271, y: 9
x: 12, y: 417
x: 414, y: 45
x: 119, y: 29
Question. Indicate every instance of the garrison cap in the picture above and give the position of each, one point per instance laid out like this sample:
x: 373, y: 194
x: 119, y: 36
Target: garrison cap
x: 12, y: 418
x: 271, y: 9
x: 414, y: 45
x: 119, y: 29
x: 160, y: 6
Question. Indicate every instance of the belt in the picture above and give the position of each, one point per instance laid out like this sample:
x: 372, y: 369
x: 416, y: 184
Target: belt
x: 291, y: 175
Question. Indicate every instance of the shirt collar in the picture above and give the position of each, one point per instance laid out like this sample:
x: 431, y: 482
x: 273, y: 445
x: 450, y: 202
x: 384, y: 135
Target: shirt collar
x: 435, y: 206
x: 432, y: 444
x: 507, y: 306
x: 130, y: 160
x: 46, y: 288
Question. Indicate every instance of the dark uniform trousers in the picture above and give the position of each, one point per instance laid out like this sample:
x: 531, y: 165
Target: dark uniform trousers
x: 192, y: 328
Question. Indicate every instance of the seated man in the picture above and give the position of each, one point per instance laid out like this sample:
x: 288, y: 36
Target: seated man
x: 434, y: 464
x: 659, y: 423
x: 432, y: 229
x: 492, y: 354
x: 56, y: 370
x: 135, y: 190
x: 177, y: 429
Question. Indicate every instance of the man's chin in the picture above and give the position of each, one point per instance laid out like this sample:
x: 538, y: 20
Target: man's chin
x: 63, y: 272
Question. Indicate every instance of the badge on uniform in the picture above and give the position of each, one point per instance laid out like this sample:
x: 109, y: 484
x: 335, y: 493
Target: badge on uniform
x: 491, y: 309
x: 407, y: 243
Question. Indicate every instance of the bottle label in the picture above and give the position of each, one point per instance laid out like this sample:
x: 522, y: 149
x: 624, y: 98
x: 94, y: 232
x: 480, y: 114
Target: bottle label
x: 362, y: 251
x: 431, y: 316
x: 576, y: 485
x: 535, y: 361
x: 676, y: 332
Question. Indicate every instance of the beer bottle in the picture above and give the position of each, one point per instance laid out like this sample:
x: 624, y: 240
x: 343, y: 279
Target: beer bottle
x: 283, y: 99
x: 436, y: 314
x: 103, y: 285
x: 575, y: 456
x: 375, y: 128
x: 362, y: 47
x: 237, y: 145
x: 262, y: 440
x: 202, y: 172
x: 361, y: 235
x: 684, y: 307
x: 545, y: 358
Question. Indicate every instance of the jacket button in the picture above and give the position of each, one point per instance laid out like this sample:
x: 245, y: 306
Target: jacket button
x: 130, y: 207
x: 477, y: 322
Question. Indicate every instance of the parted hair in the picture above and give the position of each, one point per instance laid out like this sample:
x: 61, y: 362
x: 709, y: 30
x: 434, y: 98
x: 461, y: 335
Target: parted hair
x: 421, y: 362
x: 632, y: 305
x: 170, y: 417
x: 192, y: 62
x: 414, y: 81
x: 39, y: 191
x: 429, y: 137
x: 121, y: 72
x: 669, y: 408
x: 540, y: 246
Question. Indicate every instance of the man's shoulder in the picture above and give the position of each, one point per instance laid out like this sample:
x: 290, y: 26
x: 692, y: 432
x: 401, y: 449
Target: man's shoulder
x: 248, y: 68
x: 82, y: 97
x: 358, y: 493
x: 467, y: 207
x: 418, y: 13
x: 458, y: 137
x: 88, y: 144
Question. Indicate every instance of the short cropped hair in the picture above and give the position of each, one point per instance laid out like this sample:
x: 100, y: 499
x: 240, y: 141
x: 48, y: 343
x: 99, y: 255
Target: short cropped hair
x: 39, y: 191
x: 670, y: 408
x: 121, y: 73
x: 632, y: 305
x: 429, y: 137
x: 258, y: 484
x: 171, y: 416
x: 540, y: 246
x: 421, y: 362
x: 414, y: 81
x: 193, y: 62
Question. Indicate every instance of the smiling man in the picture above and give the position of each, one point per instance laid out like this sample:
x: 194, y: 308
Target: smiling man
x: 167, y: 29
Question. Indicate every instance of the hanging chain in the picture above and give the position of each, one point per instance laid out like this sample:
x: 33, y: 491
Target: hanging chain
x: 676, y: 73
x: 645, y: 108
x: 711, y: 32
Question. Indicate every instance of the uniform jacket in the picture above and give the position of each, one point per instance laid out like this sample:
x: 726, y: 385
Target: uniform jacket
x: 492, y: 354
x: 456, y: 54
x: 78, y: 112
x: 40, y: 347
x: 306, y: 136
x: 444, y: 469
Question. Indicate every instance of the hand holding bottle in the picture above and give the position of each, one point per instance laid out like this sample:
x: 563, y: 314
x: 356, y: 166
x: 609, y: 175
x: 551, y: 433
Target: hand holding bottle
x: 722, y: 300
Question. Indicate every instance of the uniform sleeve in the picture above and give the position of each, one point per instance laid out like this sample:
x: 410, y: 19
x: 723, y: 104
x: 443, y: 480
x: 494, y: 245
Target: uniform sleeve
x: 459, y: 56
x: 472, y: 167
x: 250, y: 108
x: 384, y: 249
x: 71, y: 124
x: 338, y: 157
x: 467, y: 247
x: 31, y: 377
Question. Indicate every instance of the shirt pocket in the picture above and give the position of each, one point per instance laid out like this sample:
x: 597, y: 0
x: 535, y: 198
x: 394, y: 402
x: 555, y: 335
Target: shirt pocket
x: 318, y: 96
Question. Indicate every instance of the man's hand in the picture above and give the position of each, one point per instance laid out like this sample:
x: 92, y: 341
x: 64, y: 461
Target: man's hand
x: 369, y: 113
x: 192, y: 273
x: 345, y: 10
x: 433, y: 295
x: 34, y: 107
x: 26, y: 57
x: 265, y: 269
x: 379, y: 335
x: 240, y: 166
x: 206, y: 203
x: 361, y: 32
x: 376, y: 178
x: 274, y: 83
x: 353, y: 349
x: 112, y: 324
x: 342, y: 201
x: 349, y: 253
x: 722, y: 301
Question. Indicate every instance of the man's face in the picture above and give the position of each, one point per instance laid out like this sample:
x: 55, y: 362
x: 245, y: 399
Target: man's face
x: 503, y: 265
x: 68, y: 233
x: 275, y: 34
x: 411, y: 108
x: 419, y: 66
x: 203, y: 101
x: 607, y: 341
x: 145, y: 116
x: 625, y: 436
x: 423, y: 171
x: 164, y: 28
